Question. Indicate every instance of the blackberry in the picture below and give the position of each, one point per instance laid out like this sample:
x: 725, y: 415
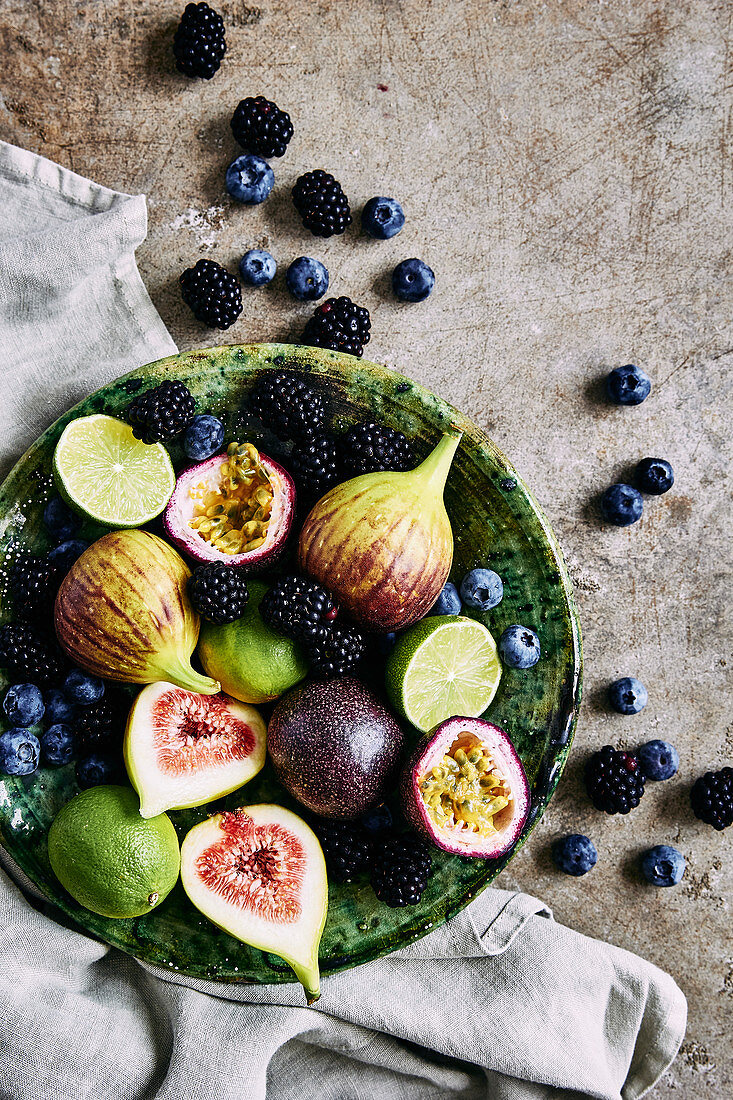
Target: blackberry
x: 199, y: 43
x: 161, y: 413
x: 614, y: 781
x: 28, y: 656
x: 334, y: 649
x: 32, y: 582
x: 347, y: 847
x: 218, y: 592
x: 339, y: 324
x: 297, y: 607
x: 402, y: 866
x: 369, y: 446
x: 314, y: 463
x: 711, y: 798
x: 321, y: 203
x: 213, y: 294
x: 261, y: 127
x: 100, y: 727
x: 289, y: 405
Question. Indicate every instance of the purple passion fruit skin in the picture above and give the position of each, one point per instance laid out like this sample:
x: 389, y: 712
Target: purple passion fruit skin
x: 465, y: 788
x: 236, y: 508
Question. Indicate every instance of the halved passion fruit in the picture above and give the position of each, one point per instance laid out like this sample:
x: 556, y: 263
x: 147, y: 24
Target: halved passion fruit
x: 235, y: 507
x: 464, y: 786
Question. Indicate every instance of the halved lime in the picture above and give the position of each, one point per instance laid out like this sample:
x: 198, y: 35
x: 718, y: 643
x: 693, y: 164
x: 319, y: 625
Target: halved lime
x: 109, y: 476
x: 445, y: 665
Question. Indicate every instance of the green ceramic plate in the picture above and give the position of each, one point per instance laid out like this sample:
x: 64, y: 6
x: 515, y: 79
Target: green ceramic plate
x: 496, y: 523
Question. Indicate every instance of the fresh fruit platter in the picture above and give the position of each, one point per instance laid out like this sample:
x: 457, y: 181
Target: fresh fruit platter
x: 257, y: 721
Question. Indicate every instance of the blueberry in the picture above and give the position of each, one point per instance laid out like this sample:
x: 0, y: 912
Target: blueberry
x: 83, y: 689
x: 628, y: 695
x: 382, y: 218
x: 307, y: 279
x: 386, y: 643
x: 654, y: 476
x: 519, y: 647
x: 58, y: 707
x: 257, y: 267
x: 448, y: 602
x: 66, y: 553
x: 94, y: 770
x: 413, y: 281
x: 621, y: 505
x: 658, y: 760
x: 482, y: 589
x: 60, y: 520
x: 662, y: 865
x: 203, y: 438
x: 249, y: 179
x: 57, y: 745
x: 628, y: 385
x: 378, y: 819
x: 23, y: 704
x: 574, y: 854
x: 19, y: 752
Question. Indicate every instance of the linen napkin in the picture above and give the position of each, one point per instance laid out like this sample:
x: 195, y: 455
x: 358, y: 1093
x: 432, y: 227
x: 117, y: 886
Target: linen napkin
x: 501, y: 1002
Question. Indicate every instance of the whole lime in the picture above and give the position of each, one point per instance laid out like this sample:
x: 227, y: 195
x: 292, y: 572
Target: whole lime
x: 110, y: 859
x: 251, y: 662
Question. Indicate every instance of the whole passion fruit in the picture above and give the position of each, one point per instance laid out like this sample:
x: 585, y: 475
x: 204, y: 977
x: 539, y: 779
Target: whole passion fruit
x: 464, y: 787
x: 236, y: 507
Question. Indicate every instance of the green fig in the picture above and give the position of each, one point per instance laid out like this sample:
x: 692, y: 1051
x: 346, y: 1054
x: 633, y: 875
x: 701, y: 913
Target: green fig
x: 123, y: 612
x: 382, y: 543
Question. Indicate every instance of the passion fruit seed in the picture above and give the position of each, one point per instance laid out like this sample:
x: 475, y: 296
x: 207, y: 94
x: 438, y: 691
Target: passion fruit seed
x: 234, y: 518
x: 465, y: 791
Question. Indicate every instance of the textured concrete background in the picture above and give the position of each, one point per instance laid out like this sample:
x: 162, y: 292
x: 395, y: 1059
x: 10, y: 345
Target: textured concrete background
x: 565, y: 169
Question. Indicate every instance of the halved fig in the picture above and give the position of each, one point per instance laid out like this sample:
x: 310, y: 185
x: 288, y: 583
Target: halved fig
x: 464, y: 786
x: 259, y: 874
x: 236, y: 507
x: 183, y: 749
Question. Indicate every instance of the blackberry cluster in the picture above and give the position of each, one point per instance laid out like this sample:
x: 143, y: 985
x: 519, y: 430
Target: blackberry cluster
x: 339, y: 324
x: 334, y: 649
x: 218, y: 592
x: 711, y: 798
x: 368, y: 447
x: 321, y: 203
x: 347, y: 847
x: 297, y: 607
x: 314, y: 463
x: 99, y: 728
x: 212, y: 293
x: 614, y: 781
x: 199, y: 43
x: 33, y: 582
x: 161, y: 413
x: 261, y: 127
x: 289, y: 405
x: 30, y: 657
x: 402, y: 866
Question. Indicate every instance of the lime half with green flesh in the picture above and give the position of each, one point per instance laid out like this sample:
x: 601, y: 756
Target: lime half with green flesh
x: 443, y: 666
x: 108, y: 475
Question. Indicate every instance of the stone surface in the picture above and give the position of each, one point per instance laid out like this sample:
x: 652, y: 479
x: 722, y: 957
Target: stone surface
x: 565, y: 170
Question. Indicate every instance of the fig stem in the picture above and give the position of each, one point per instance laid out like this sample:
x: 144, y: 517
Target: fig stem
x: 183, y: 675
x: 434, y: 469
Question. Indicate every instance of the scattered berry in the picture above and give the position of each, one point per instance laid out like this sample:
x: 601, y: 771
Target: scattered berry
x: 662, y: 865
x: 204, y: 437
x: 199, y: 43
x: 369, y: 447
x: 382, y: 218
x: 314, y: 465
x: 60, y: 521
x: 621, y: 505
x: 99, y: 728
x: 519, y: 647
x: 402, y: 866
x: 385, y: 643
x: 93, y: 771
x: 413, y: 281
x: 161, y: 413
x: 33, y: 582
x: 257, y: 267
x: 654, y: 476
x: 83, y: 689
x: 334, y: 649
x: 57, y: 745
x: 448, y: 602
x: 63, y: 556
x: 347, y: 847
x: 27, y: 655
x: 482, y: 589
x: 307, y: 279
x: 339, y: 324
x: 658, y: 760
x: 23, y: 705
x: 297, y: 607
x: 628, y: 385
x: 58, y: 709
x: 289, y: 405
x: 575, y: 854
x: 321, y: 203
x: 628, y: 695
x: 378, y: 819
x: 212, y: 293
x: 249, y: 179
x: 711, y: 798
x: 19, y: 752
x: 218, y: 592
x: 614, y: 781
x: 261, y: 127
